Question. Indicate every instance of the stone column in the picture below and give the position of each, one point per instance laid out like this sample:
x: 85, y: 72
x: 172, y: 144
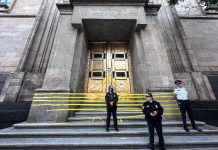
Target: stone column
x: 159, y: 73
x: 58, y: 73
x: 138, y: 64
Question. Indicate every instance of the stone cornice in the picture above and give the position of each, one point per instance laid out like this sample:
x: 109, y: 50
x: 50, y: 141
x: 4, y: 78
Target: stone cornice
x: 18, y: 15
x: 199, y: 17
x: 108, y: 1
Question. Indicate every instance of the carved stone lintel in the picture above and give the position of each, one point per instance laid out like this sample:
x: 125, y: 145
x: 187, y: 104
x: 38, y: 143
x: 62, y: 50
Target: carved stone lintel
x: 72, y: 2
x: 59, y: 89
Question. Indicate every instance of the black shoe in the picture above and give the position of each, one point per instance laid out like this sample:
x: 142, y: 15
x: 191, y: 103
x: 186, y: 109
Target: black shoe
x: 162, y: 146
x: 117, y: 130
x: 198, y: 129
x: 151, y: 146
x: 186, y: 129
x: 107, y: 130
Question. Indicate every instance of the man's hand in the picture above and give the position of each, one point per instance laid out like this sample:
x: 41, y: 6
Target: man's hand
x: 155, y: 113
x: 152, y: 114
x: 111, y: 103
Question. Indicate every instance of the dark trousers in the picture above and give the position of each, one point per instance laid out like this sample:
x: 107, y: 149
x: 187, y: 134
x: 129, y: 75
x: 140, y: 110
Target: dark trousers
x: 157, y: 124
x: 185, y: 107
x: 112, y: 110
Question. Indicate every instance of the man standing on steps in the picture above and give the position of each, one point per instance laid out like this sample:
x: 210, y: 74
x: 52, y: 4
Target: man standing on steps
x: 183, y: 103
x: 111, y: 99
x: 153, y: 114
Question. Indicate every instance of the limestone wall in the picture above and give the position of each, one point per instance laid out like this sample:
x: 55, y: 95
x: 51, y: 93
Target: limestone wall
x: 203, y: 36
x: 15, y: 30
x: 14, y: 33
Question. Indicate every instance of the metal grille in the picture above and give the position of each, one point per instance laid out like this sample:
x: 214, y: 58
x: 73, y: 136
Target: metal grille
x: 214, y: 84
x: 3, y: 78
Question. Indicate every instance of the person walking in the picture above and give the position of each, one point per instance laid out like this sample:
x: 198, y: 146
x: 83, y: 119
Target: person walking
x: 111, y: 99
x: 184, y: 106
x: 153, y: 115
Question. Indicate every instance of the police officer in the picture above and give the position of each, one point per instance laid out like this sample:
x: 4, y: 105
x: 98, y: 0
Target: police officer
x: 153, y: 114
x: 111, y: 99
x: 184, y: 106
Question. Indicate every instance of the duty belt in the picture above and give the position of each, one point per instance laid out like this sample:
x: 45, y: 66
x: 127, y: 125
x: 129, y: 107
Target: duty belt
x: 183, y: 100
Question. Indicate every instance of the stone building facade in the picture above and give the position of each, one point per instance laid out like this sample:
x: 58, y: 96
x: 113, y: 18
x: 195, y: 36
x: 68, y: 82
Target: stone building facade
x: 44, y: 45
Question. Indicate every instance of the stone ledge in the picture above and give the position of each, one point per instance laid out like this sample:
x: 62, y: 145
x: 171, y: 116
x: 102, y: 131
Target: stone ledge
x: 161, y: 89
x: 53, y: 90
x: 107, y: 1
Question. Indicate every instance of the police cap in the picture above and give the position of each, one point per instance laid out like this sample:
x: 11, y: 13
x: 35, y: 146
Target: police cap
x: 148, y: 95
x: 178, y: 82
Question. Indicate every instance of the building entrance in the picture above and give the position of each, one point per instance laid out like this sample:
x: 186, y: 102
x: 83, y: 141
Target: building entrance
x: 109, y: 64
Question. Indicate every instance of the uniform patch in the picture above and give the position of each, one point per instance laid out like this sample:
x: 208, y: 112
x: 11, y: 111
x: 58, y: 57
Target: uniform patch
x: 156, y: 106
x: 147, y: 106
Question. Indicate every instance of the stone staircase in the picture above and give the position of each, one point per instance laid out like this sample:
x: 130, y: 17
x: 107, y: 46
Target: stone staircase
x: 85, y: 128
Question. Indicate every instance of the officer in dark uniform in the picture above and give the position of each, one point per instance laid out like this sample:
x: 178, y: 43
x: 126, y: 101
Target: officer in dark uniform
x: 184, y: 106
x: 153, y: 114
x: 111, y: 99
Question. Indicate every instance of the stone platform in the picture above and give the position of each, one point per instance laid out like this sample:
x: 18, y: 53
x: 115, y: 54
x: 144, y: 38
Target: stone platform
x: 86, y: 130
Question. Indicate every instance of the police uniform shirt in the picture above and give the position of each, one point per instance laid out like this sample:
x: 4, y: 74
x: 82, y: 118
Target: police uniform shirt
x: 150, y: 108
x: 111, y: 97
x: 181, y: 93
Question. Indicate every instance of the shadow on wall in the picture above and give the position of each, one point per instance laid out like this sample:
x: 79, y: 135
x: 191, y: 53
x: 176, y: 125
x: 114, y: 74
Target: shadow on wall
x: 11, y: 113
x: 206, y: 111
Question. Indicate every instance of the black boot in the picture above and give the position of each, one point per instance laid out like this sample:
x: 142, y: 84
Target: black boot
x: 162, y: 147
x: 198, y: 129
x: 186, y: 129
x: 151, y: 146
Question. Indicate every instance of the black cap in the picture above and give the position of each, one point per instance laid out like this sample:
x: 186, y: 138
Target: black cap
x: 148, y: 95
x: 178, y: 82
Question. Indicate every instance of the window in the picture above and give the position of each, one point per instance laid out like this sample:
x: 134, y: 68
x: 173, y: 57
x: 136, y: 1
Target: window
x: 96, y: 74
x: 121, y: 74
x: 97, y: 56
x: 210, y: 7
x: 5, y: 5
x: 3, y: 78
x: 119, y: 55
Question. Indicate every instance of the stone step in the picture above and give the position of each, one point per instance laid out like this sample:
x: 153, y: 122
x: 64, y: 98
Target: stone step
x: 98, y: 99
x: 107, y: 142
x: 120, y: 111
x: 126, y: 118
x: 125, y: 110
x: 138, y: 103
x: 96, y: 124
x: 203, y: 148
x: 99, y: 95
x: 174, y: 105
x: 167, y: 114
x: 103, y: 114
x: 90, y: 113
x: 123, y: 104
x: 103, y: 101
x: 137, y: 132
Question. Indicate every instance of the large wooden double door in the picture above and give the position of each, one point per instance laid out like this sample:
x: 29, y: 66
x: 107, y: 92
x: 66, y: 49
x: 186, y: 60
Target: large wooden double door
x: 108, y: 64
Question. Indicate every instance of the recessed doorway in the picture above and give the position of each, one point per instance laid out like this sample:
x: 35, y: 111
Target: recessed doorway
x: 109, y: 64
